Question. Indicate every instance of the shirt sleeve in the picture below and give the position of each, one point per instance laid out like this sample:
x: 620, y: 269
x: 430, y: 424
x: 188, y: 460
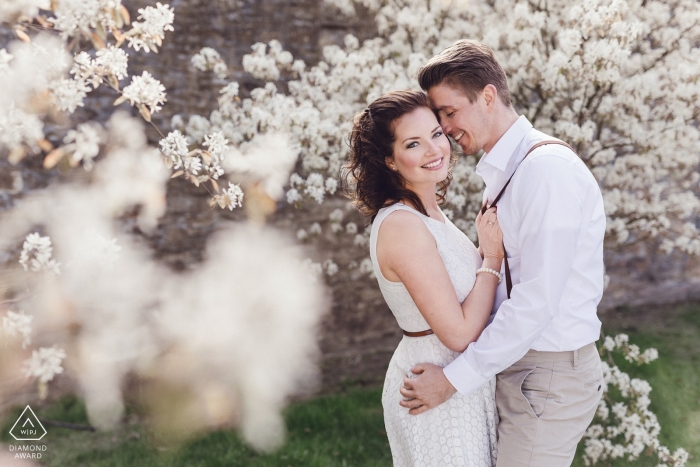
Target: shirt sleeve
x: 548, y: 195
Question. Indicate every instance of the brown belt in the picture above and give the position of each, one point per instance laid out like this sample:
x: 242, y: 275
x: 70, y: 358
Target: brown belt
x: 427, y: 332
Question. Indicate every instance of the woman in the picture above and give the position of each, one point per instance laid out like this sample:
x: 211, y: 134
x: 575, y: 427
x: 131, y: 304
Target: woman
x: 432, y: 276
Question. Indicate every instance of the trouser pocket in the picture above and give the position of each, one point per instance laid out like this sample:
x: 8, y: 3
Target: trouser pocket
x: 536, y: 388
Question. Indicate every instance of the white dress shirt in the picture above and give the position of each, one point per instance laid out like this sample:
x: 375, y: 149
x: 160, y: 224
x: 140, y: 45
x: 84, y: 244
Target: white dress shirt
x: 553, y: 227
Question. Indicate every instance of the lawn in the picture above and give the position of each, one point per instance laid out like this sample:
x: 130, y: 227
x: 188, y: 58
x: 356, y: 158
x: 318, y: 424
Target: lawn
x: 347, y: 429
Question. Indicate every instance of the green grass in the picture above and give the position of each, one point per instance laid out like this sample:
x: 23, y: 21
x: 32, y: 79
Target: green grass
x: 338, y: 430
x: 347, y: 429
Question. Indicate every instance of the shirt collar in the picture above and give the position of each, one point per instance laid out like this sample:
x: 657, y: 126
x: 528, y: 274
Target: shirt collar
x: 499, y: 156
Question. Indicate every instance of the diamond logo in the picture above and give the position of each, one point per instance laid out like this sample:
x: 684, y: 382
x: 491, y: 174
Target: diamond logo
x: 28, y: 427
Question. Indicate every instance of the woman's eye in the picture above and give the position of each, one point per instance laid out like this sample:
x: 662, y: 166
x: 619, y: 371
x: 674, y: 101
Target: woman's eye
x: 412, y: 145
x: 437, y: 134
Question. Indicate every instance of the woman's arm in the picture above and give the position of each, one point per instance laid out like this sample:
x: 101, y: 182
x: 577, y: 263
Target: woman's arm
x: 406, y: 252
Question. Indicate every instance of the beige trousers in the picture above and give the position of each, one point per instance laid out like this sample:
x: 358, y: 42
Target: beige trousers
x: 546, y: 401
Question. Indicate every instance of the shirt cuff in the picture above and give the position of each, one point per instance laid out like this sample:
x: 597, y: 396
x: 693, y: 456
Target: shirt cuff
x: 463, y: 376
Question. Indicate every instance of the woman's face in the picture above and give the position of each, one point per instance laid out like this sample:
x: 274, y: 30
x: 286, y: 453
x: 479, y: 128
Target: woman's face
x: 421, y: 149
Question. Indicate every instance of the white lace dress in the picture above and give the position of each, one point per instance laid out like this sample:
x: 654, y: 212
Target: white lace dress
x: 462, y: 431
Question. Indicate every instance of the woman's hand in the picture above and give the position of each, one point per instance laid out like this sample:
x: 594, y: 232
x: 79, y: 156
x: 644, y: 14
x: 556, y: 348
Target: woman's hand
x: 490, y: 236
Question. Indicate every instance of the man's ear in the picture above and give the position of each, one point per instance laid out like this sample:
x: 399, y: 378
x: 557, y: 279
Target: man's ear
x: 489, y: 94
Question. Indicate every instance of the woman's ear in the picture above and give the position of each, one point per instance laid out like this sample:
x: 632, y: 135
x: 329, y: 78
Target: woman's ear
x: 390, y: 163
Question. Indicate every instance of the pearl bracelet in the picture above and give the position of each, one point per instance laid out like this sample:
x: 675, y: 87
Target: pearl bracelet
x: 491, y: 271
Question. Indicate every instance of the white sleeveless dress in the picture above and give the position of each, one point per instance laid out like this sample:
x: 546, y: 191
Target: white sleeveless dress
x: 462, y: 431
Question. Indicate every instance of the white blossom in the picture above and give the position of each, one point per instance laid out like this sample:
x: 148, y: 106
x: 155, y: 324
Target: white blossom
x: 11, y: 9
x: 361, y: 240
x: 36, y: 254
x: 626, y: 428
x: 330, y: 267
x: 45, y: 363
x: 145, y: 90
x: 331, y: 185
x: 366, y: 267
x: 73, y: 17
x: 336, y: 215
x: 18, y: 128
x: 100, y: 249
x: 351, y: 228
x: 293, y: 196
x: 14, y: 324
x: 315, y: 229
x: 5, y: 59
x: 112, y: 61
x: 209, y: 59
x: 315, y: 269
x: 69, y: 93
x: 264, y: 64
x: 84, y: 143
x: 150, y: 32
x: 216, y: 145
x: 233, y: 195
x: 174, y: 148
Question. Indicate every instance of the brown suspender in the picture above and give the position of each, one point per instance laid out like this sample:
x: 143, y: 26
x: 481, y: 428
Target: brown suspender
x: 509, y: 280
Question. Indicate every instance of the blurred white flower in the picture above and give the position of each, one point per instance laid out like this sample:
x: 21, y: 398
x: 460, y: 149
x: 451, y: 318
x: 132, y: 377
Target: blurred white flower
x: 45, y: 363
x: 330, y: 267
x: 336, y: 215
x: 315, y: 229
x: 36, y: 254
x: 103, y: 251
x: 14, y: 324
x: 209, y: 59
x: 366, y: 267
x: 5, y: 59
x: 83, y: 143
x: 293, y: 196
x: 11, y: 9
x: 73, y: 17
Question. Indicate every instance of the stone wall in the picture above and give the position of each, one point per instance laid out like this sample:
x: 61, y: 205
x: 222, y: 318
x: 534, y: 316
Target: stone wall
x: 359, y: 334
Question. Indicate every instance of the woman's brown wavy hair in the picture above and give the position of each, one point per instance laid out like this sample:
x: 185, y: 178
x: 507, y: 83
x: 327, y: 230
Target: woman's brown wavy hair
x: 367, y: 180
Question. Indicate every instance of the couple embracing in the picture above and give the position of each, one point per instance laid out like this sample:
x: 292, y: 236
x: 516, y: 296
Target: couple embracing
x: 497, y: 366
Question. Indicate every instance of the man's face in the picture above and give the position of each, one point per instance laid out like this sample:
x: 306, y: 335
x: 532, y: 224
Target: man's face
x: 465, y: 122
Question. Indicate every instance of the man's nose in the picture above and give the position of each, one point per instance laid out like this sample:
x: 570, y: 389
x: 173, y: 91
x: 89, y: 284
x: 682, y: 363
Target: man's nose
x: 446, y: 127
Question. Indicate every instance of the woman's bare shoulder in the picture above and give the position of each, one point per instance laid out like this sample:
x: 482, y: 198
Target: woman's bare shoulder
x: 402, y: 227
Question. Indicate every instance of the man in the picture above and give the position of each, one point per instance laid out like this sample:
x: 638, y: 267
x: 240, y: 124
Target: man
x: 540, y: 342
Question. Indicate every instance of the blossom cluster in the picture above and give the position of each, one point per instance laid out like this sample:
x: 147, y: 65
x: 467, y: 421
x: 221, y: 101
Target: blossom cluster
x: 149, y: 33
x: 45, y: 363
x: 18, y: 323
x: 624, y: 427
x: 36, y: 254
x: 30, y: 70
x: 209, y: 59
x: 616, y: 79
